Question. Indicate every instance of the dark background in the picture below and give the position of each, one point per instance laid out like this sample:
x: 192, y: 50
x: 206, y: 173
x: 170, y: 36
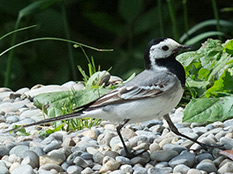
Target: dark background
x: 124, y: 25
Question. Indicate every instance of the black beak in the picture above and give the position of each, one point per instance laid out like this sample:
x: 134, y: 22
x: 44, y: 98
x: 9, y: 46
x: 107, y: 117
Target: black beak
x: 184, y: 47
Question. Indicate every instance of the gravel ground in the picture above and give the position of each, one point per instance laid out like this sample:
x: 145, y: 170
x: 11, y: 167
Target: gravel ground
x: 99, y: 150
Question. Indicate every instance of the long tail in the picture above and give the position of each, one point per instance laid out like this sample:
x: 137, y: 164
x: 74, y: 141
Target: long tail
x: 49, y: 120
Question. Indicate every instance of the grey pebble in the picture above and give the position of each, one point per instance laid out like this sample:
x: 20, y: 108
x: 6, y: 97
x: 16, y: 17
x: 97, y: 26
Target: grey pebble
x: 38, y: 150
x: 53, y: 145
x: 176, y: 147
x: 161, y: 164
x: 228, y: 123
x: 207, y: 165
x: 3, y: 168
x: 157, y: 170
x: 185, y: 158
x: 126, y: 168
x: 227, y: 142
x: 25, y: 169
x: 51, y: 166
x: 19, y: 150
x: 98, y: 157
x: 123, y: 160
x: 151, y: 123
x: 203, y: 156
x: 134, y: 141
x: 139, y: 170
x: 183, y: 169
x: 96, y: 167
x: 4, y: 151
x: 163, y: 155
x: 87, y: 170
x: 80, y: 162
x: 74, y: 170
x: 118, y: 172
x: 58, y: 153
x: 31, y: 158
x: 104, y: 139
x: 86, y: 156
x: 12, y: 119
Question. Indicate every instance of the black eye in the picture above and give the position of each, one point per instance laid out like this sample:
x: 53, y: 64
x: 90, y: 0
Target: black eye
x: 165, y: 48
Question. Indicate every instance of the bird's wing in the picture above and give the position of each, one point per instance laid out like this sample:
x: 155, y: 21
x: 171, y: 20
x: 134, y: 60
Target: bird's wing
x: 131, y: 91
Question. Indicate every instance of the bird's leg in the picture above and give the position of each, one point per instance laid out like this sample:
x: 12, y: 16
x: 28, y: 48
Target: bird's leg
x: 176, y: 131
x: 129, y: 154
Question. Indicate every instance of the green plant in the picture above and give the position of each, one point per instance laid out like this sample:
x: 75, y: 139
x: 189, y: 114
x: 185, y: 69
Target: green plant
x: 209, y: 73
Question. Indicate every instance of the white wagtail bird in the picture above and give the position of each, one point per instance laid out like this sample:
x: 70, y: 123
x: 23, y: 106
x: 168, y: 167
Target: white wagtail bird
x: 151, y: 94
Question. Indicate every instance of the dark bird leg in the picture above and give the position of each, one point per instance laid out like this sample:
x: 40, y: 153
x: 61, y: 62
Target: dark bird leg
x: 129, y: 154
x: 176, y: 131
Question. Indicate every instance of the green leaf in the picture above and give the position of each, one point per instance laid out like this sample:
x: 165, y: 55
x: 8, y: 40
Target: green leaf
x: 223, y: 84
x: 229, y: 47
x: 206, y: 110
x: 56, y: 101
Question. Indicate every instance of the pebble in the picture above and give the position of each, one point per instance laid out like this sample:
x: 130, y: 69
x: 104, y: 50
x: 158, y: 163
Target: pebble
x: 25, y: 169
x: 163, y: 155
x: 99, y: 149
x: 185, y: 158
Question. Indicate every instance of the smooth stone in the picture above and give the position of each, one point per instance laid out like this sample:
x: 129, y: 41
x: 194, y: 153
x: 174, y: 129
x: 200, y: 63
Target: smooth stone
x: 98, y: 157
x: 227, y: 167
x: 80, y: 162
x: 14, y: 158
x: 156, y: 170
x: 32, y: 160
x: 46, y: 159
x: 111, y: 154
x: 3, y: 168
x: 228, y: 123
x: 109, y: 164
x: 118, y: 172
x: 200, y: 130
x: 92, y: 150
x: 22, y: 90
x: 139, y: 170
x: 38, y: 150
x: 25, y: 169
x: 45, y: 89
x: 67, y: 142
x: 58, y: 153
x: 123, y: 160
x: 176, y: 147
x: 87, y: 170
x: 194, y: 171
x: 68, y: 84
x: 19, y: 150
x: 51, y: 146
x: 96, y: 167
x: 227, y: 142
x: 104, y: 139
x: 72, y: 156
x: 161, y: 164
x: 4, y: 151
x: 134, y: 141
x: 185, y: 158
x: 83, y: 145
x: 204, y: 156
x: 74, y: 170
x: 154, y: 147
x: 4, y: 89
x: 128, y: 133
x: 50, y: 166
x: 12, y: 119
x: 163, y: 155
x: 151, y: 123
x: 7, y: 107
x: 90, y: 134
x: 150, y: 135
x: 36, y: 114
x: 183, y: 169
x: 206, y: 165
x: 126, y: 168
x: 86, y: 156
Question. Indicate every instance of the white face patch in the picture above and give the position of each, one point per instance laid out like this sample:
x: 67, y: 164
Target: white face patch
x: 162, y: 50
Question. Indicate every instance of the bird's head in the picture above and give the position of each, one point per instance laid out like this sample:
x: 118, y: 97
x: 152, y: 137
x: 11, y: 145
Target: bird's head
x: 161, y: 48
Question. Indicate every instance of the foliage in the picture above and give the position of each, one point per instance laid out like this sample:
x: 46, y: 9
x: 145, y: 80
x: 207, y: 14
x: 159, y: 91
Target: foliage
x: 209, y: 73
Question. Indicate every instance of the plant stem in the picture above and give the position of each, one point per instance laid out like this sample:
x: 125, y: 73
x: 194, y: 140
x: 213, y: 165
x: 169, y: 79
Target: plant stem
x: 67, y: 33
x: 11, y: 55
x: 215, y: 9
x: 171, y: 9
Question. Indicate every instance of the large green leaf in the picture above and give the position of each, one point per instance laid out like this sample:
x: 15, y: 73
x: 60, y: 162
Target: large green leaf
x: 52, y: 103
x: 204, y: 110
